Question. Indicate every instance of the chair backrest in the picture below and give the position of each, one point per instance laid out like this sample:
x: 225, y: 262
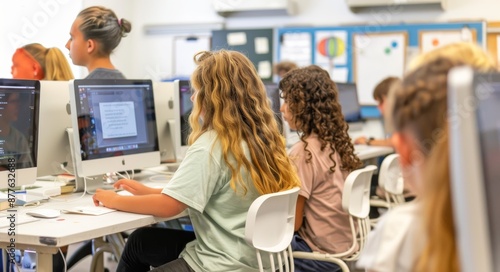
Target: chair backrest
x: 356, y: 202
x: 270, y: 224
x: 391, y: 180
x: 356, y: 194
x: 389, y: 171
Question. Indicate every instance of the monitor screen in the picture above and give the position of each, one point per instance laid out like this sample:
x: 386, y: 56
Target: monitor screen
x: 114, y: 125
x: 182, y: 99
x: 348, y: 99
x: 165, y: 118
x: 19, y: 103
x: 273, y: 93
x: 53, y: 148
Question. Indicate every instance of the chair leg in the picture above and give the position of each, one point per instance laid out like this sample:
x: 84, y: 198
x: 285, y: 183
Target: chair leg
x: 99, y: 247
x: 80, y: 253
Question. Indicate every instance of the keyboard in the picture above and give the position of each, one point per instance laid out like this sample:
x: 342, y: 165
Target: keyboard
x: 89, y: 210
x: 359, y: 148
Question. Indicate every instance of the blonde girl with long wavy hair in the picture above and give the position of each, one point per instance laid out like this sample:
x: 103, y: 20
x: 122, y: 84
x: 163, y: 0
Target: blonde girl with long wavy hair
x: 236, y: 154
x: 419, y: 236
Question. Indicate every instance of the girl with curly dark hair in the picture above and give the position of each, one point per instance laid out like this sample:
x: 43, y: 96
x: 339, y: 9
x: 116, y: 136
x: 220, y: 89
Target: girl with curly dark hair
x: 324, y: 157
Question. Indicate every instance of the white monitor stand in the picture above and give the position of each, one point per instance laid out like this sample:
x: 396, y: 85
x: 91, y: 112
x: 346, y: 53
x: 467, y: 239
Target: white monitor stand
x: 92, y: 183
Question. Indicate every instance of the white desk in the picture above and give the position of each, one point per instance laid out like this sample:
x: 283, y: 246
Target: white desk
x: 367, y: 152
x: 47, y: 235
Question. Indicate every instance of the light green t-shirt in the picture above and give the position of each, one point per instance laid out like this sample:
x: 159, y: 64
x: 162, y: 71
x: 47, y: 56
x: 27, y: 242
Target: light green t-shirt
x: 217, y: 212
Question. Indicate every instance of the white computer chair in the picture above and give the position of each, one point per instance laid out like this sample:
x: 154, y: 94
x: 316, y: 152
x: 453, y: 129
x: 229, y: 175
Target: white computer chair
x: 356, y: 202
x: 391, y: 182
x: 270, y: 227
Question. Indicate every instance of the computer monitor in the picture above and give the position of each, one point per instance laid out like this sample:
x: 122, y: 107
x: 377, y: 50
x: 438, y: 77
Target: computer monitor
x: 114, y: 125
x: 53, y: 148
x: 19, y: 104
x: 182, y: 98
x: 165, y: 118
x: 273, y: 93
x: 348, y: 99
x: 474, y: 131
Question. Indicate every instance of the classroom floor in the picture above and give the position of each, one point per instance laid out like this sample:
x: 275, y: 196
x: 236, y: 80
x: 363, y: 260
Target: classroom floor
x: 109, y: 263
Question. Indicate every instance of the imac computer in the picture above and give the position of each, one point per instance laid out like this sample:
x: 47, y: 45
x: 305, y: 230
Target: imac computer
x: 273, y: 93
x: 114, y: 126
x: 53, y: 148
x: 182, y: 99
x: 165, y: 118
x: 348, y: 99
x: 19, y: 104
x: 474, y: 132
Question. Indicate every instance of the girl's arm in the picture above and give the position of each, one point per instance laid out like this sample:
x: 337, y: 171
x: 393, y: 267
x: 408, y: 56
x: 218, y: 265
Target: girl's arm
x: 160, y: 205
x: 299, y: 212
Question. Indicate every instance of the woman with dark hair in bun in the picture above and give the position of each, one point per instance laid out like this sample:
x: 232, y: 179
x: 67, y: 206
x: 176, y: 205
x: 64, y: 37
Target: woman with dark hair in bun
x: 95, y: 33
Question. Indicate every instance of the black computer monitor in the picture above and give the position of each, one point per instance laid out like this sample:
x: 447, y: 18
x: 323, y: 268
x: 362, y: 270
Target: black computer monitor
x: 348, y: 99
x: 114, y: 125
x: 273, y: 93
x: 19, y: 104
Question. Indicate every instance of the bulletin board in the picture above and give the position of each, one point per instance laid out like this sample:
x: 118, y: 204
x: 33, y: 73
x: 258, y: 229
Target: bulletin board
x: 493, y: 40
x: 333, y: 48
x: 430, y: 40
x: 256, y: 44
x: 388, y: 49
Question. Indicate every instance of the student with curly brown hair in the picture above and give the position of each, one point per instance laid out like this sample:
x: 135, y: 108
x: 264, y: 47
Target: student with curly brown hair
x: 324, y: 157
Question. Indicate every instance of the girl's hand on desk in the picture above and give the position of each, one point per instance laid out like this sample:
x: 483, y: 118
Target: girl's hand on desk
x: 134, y: 187
x: 104, y: 197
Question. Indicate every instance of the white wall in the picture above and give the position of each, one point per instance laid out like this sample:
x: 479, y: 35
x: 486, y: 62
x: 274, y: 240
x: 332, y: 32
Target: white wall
x: 43, y: 21
x: 150, y: 56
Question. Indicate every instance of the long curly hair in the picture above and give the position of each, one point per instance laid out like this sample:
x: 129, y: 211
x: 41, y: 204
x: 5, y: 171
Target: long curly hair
x: 312, y: 99
x: 231, y: 100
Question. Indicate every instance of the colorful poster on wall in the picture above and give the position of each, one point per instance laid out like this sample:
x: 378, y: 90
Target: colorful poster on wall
x: 331, y: 49
x: 296, y: 47
x: 430, y: 40
x: 377, y: 56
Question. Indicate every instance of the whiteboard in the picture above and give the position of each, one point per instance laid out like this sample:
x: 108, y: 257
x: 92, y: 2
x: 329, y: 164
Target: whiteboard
x: 430, y: 40
x: 185, y: 47
x: 377, y: 56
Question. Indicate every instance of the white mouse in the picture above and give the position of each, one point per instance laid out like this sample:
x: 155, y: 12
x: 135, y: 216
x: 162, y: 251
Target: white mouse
x: 44, y: 213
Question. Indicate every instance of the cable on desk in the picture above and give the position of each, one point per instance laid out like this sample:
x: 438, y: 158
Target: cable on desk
x: 63, y: 167
x: 122, y: 176
x: 64, y: 259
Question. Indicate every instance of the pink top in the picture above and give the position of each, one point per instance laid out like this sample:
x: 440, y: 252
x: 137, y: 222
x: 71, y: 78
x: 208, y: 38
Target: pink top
x: 326, y: 226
